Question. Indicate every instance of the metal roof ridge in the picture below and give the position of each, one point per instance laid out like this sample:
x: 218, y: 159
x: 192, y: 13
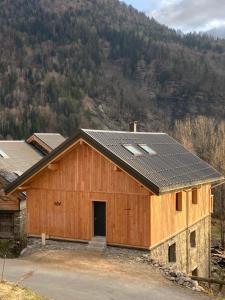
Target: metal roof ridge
x: 45, y: 133
x: 116, y: 131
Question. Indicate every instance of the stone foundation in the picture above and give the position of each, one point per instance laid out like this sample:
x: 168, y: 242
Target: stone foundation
x: 188, y: 258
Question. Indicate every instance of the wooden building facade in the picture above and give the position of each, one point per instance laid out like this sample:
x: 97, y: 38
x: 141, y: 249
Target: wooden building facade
x: 79, y: 192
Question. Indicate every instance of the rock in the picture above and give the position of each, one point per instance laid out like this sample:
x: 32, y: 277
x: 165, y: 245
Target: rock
x: 138, y: 259
x: 145, y: 255
x: 199, y: 289
x: 172, y: 278
x: 186, y: 283
x: 188, y: 279
x: 24, y: 251
x: 194, y: 283
x: 181, y: 281
x: 173, y: 273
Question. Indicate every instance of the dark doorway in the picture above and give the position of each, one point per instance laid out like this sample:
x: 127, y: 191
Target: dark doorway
x: 6, y: 225
x: 99, y: 218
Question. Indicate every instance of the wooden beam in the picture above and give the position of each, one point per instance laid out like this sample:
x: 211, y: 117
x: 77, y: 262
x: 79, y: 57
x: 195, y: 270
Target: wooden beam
x: 116, y: 169
x: 209, y: 280
x: 53, y: 167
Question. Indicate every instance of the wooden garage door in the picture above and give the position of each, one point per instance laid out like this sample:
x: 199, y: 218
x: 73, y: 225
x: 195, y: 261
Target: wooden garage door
x: 6, y: 224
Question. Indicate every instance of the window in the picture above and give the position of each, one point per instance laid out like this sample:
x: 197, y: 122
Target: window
x: 133, y: 150
x: 172, y: 253
x: 193, y: 239
x: 179, y: 201
x: 3, y: 154
x: 147, y: 149
x: 195, y: 272
x: 194, y: 196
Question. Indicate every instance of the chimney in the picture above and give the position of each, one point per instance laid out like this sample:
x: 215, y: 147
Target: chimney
x: 133, y: 126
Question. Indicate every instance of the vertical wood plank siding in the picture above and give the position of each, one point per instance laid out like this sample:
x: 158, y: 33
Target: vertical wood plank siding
x: 166, y: 221
x: 59, y: 203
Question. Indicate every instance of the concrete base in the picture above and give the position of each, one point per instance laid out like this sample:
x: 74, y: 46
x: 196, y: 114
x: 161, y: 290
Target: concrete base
x: 97, y: 243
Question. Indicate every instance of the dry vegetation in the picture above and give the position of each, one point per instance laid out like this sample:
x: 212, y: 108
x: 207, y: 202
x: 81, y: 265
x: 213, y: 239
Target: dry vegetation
x: 205, y: 137
x: 56, y: 54
x: 10, y: 291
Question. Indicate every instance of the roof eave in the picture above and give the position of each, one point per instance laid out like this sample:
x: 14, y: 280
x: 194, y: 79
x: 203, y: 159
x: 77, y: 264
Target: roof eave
x: 170, y: 189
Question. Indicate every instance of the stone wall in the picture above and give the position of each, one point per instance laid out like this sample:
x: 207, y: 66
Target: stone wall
x: 19, y: 224
x: 188, y: 258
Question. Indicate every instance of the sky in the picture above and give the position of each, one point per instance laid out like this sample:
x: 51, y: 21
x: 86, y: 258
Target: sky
x: 186, y: 15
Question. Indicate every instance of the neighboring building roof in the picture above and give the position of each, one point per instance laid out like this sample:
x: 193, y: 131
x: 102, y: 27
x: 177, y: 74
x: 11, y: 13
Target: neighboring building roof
x: 20, y: 156
x: 46, y: 142
x: 8, y: 176
x: 168, y: 167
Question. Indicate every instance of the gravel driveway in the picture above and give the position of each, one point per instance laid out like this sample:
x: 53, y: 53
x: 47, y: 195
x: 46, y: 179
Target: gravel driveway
x: 85, y: 275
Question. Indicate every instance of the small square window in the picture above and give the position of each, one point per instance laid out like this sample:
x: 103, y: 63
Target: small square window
x: 132, y: 149
x: 179, y: 201
x: 172, y: 253
x: 193, y: 239
x: 194, y: 196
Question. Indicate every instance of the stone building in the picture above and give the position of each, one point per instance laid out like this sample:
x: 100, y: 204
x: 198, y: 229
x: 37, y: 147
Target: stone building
x: 128, y: 189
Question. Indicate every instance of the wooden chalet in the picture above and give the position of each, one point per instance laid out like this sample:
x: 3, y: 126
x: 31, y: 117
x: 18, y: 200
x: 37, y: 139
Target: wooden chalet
x: 136, y: 189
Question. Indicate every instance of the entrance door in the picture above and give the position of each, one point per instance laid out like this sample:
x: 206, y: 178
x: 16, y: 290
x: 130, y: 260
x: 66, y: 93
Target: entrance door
x: 99, y: 218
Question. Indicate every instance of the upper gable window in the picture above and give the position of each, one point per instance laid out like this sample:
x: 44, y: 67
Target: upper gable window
x: 194, y: 196
x: 132, y: 149
x: 147, y: 149
x: 3, y: 154
x: 179, y: 201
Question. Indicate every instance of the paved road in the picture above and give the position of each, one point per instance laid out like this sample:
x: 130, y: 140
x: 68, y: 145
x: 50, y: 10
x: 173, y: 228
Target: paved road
x: 77, y: 283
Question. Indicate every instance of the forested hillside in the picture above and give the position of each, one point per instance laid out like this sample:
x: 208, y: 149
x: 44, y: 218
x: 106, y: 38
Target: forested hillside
x: 101, y: 64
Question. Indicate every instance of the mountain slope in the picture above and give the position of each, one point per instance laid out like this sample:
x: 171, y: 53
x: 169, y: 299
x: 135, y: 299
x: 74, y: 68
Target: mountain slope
x: 99, y: 63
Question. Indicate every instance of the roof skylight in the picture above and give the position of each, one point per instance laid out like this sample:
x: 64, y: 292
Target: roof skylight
x: 18, y: 173
x: 147, y: 149
x: 3, y: 154
x: 132, y: 149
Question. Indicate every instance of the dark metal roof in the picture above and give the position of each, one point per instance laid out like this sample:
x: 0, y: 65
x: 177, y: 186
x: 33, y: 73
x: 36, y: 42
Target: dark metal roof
x: 172, y: 168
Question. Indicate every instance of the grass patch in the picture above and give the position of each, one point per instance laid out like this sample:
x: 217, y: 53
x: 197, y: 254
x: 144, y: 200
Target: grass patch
x: 216, y: 235
x: 11, y: 248
x: 9, y: 291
